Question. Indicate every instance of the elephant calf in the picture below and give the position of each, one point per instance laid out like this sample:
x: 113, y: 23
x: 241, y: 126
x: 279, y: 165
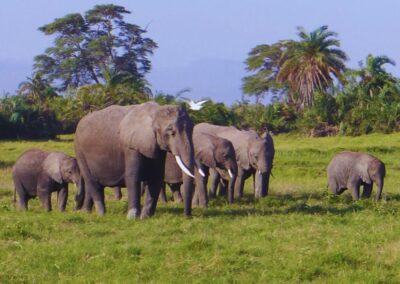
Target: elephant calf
x: 39, y: 173
x: 349, y: 170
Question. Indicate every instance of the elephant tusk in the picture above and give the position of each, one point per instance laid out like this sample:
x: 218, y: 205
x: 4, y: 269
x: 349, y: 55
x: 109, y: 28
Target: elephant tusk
x: 182, y: 166
x: 259, y: 172
x: 230, y: 173
x: 202, y: 173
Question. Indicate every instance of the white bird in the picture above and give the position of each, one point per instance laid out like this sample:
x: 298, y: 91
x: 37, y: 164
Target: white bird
x: 195, y: 105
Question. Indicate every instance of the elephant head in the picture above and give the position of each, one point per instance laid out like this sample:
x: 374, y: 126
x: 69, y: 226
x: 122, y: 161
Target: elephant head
x: 61, y: 168
x: 376, y: 173
x: 261, y: 156
x: 215, y: 152
x: 261, y: 153
x: 151, y: 129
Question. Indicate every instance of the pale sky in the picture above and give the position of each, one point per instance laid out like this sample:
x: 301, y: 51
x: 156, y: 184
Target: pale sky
x: 203, y: 44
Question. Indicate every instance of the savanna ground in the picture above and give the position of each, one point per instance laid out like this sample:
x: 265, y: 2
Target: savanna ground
x: 298, y: 233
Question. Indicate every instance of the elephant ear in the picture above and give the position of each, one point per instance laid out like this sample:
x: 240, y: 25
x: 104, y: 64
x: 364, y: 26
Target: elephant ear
x: 52, y: 166
x: 137, y: 132
x: 205, y: 154
x: 362, y: 169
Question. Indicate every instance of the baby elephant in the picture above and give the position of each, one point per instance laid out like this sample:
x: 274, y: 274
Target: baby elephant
x: 349, y: 170
x: 39, y: 173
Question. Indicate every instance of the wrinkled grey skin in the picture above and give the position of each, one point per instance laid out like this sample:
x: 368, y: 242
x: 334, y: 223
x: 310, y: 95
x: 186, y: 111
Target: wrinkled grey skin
x: 349, y: 170
x: 125, y: 145
x: 172, y: 177
x: 254, y: 155
x: 211, y: 152
x: 39, y: 173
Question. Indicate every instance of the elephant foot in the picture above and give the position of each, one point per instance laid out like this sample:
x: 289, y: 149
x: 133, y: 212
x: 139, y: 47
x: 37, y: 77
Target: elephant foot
x: 133, y: 214
x: 100, y: 209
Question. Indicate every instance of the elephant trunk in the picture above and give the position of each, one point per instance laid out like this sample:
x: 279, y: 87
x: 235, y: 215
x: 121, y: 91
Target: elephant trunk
x: 186, y: 154
x: 80, y: 194
x: 231, y: 186
x: 261, y: 184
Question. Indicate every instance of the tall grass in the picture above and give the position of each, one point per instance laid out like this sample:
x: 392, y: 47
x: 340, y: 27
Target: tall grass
x: 299, y: 233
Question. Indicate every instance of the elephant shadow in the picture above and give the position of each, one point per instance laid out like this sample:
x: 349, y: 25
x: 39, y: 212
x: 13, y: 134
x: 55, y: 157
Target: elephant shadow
x: 6, y: 164
x: 283, y: 204
x: 317, y: 203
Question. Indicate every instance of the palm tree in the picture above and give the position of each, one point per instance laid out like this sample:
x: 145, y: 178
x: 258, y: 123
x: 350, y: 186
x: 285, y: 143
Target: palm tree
x: 36, y: 89
x: 311, y: 64
x: 372, y: 77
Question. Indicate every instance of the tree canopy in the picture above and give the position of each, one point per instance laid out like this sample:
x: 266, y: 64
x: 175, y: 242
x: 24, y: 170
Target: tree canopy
x: 296, y: 68
x: 86, y: 46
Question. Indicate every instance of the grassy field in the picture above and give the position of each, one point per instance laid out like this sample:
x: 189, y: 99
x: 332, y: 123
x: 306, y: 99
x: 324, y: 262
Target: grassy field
x: 299, y: 233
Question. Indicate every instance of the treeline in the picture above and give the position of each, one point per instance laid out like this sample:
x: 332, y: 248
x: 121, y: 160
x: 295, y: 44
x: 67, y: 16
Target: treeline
x: 98, y: 59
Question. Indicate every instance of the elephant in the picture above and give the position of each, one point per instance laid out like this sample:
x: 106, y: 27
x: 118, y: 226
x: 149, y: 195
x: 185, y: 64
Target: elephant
x: 349, y: 170
x: 211, y: 152
x: 254, y: 155
x: 125, y: 145
x: 39, y: 173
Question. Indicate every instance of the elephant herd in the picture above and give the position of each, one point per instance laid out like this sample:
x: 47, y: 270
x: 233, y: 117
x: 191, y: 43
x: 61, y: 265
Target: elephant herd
x: 143, y: 147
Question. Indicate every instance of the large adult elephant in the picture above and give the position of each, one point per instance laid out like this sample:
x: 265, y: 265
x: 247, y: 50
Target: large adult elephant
x: 254, y: 155
x: 350, y: 170
x: 125, y: 145
x: 211, y: 152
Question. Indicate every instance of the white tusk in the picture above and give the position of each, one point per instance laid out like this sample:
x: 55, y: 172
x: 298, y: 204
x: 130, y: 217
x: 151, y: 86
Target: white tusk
x: 230, y: 173
x: 259, y: 172
x: 202, y: 173
x: 182, y: 166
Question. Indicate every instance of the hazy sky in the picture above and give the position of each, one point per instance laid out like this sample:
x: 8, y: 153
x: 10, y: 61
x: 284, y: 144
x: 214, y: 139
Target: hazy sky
x: 203, y: 43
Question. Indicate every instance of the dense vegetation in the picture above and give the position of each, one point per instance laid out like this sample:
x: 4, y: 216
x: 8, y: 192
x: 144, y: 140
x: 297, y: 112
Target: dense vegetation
x: 299, y: 233
x: 98, y: 59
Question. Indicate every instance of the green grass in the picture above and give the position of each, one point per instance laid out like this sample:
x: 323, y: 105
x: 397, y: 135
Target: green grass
x: 299, y: 233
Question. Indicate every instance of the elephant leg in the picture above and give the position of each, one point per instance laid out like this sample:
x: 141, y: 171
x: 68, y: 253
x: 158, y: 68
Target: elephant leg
x: 45, y: 198
x: 151, y: 198
x: 214, y: 183
x: 176, y: 193
x: 23, y: 202
x: 88, y: 203
x: 163, y: 194
x: 22, y: 196
x: 333, y: 186
x: 143, y: 188
x: 117, y: 193
x: 367, y: 190
x: 133, y: 164
x: 96, y: 196
x: 154, y: 187
x: 62, y: 197
x: 222, y: 187
x: 354, y: 187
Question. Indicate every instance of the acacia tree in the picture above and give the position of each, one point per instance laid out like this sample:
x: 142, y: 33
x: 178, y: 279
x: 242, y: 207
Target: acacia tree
x: 86, y: 46
x: 299, y: 68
